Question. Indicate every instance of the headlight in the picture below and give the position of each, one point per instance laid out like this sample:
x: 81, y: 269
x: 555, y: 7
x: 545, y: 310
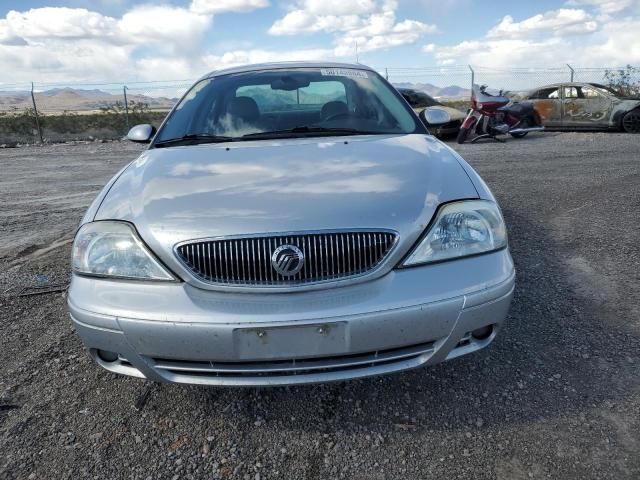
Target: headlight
x: 461, y: 229
x: 436, y: 116
x: 113, y: 249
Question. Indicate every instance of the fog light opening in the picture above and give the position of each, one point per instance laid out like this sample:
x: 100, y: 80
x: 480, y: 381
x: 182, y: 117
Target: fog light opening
x: 482, y: 333
x: 107, y: 356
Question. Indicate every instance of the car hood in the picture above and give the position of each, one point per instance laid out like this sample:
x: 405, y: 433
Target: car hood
x: 388, y: 182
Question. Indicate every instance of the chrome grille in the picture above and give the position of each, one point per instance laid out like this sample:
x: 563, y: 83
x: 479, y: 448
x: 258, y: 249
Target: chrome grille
x: 247, y: 260
x: 302, y: 366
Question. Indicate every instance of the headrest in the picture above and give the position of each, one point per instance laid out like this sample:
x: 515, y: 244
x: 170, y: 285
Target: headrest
x: 244, y: 108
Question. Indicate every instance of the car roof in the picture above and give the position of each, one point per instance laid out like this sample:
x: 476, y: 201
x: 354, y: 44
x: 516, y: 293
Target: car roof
x: 413, y: 90
x: 565, y: 84
x: 283, y: 65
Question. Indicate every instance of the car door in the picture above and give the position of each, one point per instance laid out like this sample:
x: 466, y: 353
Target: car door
x: 548, y: 104
x: 585, y: 107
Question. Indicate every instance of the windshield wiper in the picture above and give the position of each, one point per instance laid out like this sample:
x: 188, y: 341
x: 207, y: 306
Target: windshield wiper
x: 306, y: 129
x: 193, y: 139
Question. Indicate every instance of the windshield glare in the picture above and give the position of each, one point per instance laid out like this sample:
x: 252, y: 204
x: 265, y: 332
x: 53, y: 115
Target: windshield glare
x: 280, y: 100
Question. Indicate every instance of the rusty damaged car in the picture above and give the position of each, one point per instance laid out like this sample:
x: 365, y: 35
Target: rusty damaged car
x: 585, y: 106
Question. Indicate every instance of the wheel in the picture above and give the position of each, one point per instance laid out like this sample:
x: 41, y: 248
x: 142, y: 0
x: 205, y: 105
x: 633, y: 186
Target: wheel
x: 462, y: 134
x: 631, y: 121
x: 523, y: 124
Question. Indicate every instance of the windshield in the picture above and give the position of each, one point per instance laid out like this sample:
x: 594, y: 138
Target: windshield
x: 418, y: 99
x: 606, y: 89
x: 289, y: 103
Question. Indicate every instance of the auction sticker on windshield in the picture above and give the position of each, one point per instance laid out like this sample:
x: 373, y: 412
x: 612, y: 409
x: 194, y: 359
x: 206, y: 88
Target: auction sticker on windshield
x: 343, y: 72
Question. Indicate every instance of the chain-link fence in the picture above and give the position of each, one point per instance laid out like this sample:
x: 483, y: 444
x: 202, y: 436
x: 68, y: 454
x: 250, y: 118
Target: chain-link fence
x: 452, y: 84
x: 59, y: 112
x: 43, y: 112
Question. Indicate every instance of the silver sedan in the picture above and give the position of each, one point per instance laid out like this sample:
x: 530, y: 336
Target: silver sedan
x: 289, y: 223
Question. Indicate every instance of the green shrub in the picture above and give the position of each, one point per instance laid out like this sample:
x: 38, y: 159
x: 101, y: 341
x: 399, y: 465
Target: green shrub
x: 110, y: 122
x: 624, y: 80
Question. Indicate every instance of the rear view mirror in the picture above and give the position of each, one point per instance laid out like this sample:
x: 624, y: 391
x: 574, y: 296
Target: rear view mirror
x: 142, y: 133
x: 290, y: 83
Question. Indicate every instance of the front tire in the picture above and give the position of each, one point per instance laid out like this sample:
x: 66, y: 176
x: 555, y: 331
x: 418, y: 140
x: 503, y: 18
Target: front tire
x: 468, y: 125
x: 631, y: 121
x: 523, y: 124
x: 463, y: 133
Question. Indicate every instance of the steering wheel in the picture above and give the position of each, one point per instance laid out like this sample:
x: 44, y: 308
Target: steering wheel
x: 336, y: 116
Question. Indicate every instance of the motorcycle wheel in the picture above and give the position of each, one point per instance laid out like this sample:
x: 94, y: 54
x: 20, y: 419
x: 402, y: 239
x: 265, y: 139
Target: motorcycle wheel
x: 523, y: 124
x: 463, y: 133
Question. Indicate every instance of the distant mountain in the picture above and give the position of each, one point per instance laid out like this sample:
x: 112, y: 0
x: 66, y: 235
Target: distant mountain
x: 76, y: 100
x: 81, y: 92
x: 13, y: 93
x: 452, y: 92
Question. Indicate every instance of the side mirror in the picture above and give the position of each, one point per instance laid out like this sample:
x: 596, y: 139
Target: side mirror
x: 434, y: 116
x: 142, y: 133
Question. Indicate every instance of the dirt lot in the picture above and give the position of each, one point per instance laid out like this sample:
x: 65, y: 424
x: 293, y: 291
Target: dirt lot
x: 556, y: 396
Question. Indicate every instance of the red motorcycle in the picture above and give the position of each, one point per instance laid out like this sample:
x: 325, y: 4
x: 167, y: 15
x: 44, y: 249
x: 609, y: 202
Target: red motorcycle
x: 491, y: 115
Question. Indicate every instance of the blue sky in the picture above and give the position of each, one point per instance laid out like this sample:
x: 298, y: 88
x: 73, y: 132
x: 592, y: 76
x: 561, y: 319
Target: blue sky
x: 80, y: 40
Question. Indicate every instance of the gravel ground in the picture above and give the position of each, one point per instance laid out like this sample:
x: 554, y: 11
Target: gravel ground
x: 557, y: 395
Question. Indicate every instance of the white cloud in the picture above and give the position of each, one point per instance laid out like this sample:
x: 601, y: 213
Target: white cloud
x: 339, y: 7
x: 369, y: 24
x: 59, y: 22
x: 241, y: 57
x: 613, y: 44
x: 163, y: 24
x: 220, y: 6
x: 163, y: 67
x: 606, y: 6
x: 65, y: 41
x: 59, y: 44
x: 63, y: 44
x: 172, y: 26
x: 557, y: 22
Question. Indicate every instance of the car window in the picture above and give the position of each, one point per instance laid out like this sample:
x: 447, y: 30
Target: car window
x: 275, y: 100
x: 606, y: 90
x: 419, y: 99
x: 312, y: 97
x: 410, y: 98
x: 570, y: 92
x: 589, y: 92
x: 548, y: 93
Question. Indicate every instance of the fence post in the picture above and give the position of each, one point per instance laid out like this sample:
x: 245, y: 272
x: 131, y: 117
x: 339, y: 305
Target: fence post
x: 571, y: 70
x: 473, y: 78
x: 386, y: 73
x: 35, y: 109
x: 126, y: 106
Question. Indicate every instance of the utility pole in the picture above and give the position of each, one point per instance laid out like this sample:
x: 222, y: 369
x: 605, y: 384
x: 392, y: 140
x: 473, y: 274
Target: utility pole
x: 126, y: 106
x: 473, y: 78
x: 35, y: 109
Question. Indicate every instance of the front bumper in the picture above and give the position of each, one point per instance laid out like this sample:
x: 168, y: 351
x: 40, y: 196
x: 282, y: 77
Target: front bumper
x: 408, y: 318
